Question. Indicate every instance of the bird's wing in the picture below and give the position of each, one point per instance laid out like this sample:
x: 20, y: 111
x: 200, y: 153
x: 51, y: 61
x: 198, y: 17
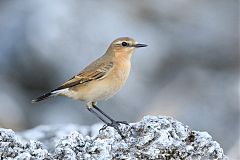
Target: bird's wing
x: 97, y: 72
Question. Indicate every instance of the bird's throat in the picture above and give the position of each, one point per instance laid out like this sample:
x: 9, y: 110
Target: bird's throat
x: 124, y: 56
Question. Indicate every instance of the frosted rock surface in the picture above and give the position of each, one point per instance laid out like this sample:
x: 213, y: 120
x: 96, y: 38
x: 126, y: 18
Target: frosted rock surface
x: 154, y: 137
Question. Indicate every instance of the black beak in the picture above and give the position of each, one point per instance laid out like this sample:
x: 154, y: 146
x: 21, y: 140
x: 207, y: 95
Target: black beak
x: 140, y: 45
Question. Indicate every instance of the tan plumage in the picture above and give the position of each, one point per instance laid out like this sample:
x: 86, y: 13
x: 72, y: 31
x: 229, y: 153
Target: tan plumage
x: 103, y: 77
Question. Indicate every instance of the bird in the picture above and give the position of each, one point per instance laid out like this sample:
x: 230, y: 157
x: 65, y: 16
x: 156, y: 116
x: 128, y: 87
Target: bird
x: 101, y: 79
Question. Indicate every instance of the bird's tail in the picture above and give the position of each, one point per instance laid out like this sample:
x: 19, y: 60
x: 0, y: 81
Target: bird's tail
x: 49, y: 94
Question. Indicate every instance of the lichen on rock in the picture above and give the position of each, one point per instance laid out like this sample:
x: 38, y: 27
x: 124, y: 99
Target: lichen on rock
x: 154, y: 137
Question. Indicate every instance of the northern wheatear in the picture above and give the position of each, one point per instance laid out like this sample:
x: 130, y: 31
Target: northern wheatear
x: 101, y: 79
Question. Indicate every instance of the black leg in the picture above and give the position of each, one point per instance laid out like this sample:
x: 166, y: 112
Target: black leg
x: 92, y: 111
x: 99, y: 110
x: 107, y: 116
x: 114, y: 124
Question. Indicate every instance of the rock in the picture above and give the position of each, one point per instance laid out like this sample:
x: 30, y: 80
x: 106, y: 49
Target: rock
x: 12, y: 147
x: 155, y: 137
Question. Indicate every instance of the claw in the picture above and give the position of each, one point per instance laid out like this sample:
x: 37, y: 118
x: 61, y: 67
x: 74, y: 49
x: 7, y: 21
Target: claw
x: 115, y: 125
x: 103, y: 128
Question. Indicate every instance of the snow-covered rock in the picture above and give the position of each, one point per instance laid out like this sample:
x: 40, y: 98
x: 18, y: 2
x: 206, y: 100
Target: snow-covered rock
x: 154, y: 137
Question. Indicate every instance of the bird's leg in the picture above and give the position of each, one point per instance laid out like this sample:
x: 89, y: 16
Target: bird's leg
x: 113, y: 122
x: 104, y: 121
x: 95, y: 113
x: 103, y: 113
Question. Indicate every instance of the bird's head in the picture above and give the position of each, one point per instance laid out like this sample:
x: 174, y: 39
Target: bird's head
x: 125, y: 46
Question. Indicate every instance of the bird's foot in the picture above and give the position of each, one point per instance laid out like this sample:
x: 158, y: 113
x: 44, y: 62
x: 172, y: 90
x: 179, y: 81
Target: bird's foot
x: 115, y: 125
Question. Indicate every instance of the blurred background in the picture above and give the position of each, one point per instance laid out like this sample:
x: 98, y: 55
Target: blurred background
x: 189, y: 71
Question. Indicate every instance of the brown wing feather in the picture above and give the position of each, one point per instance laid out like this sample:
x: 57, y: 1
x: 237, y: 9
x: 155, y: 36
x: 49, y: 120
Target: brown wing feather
x: 87, y: 75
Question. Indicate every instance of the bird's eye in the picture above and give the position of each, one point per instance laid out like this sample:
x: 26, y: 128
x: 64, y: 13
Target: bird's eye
x: 124, y: 44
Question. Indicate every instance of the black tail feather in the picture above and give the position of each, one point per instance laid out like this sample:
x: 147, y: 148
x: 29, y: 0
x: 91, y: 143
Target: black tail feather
x: 45, y: 96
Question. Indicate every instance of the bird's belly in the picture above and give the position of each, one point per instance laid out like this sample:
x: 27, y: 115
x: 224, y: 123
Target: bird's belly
x: 103, y: 90
x: 94, y: 91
